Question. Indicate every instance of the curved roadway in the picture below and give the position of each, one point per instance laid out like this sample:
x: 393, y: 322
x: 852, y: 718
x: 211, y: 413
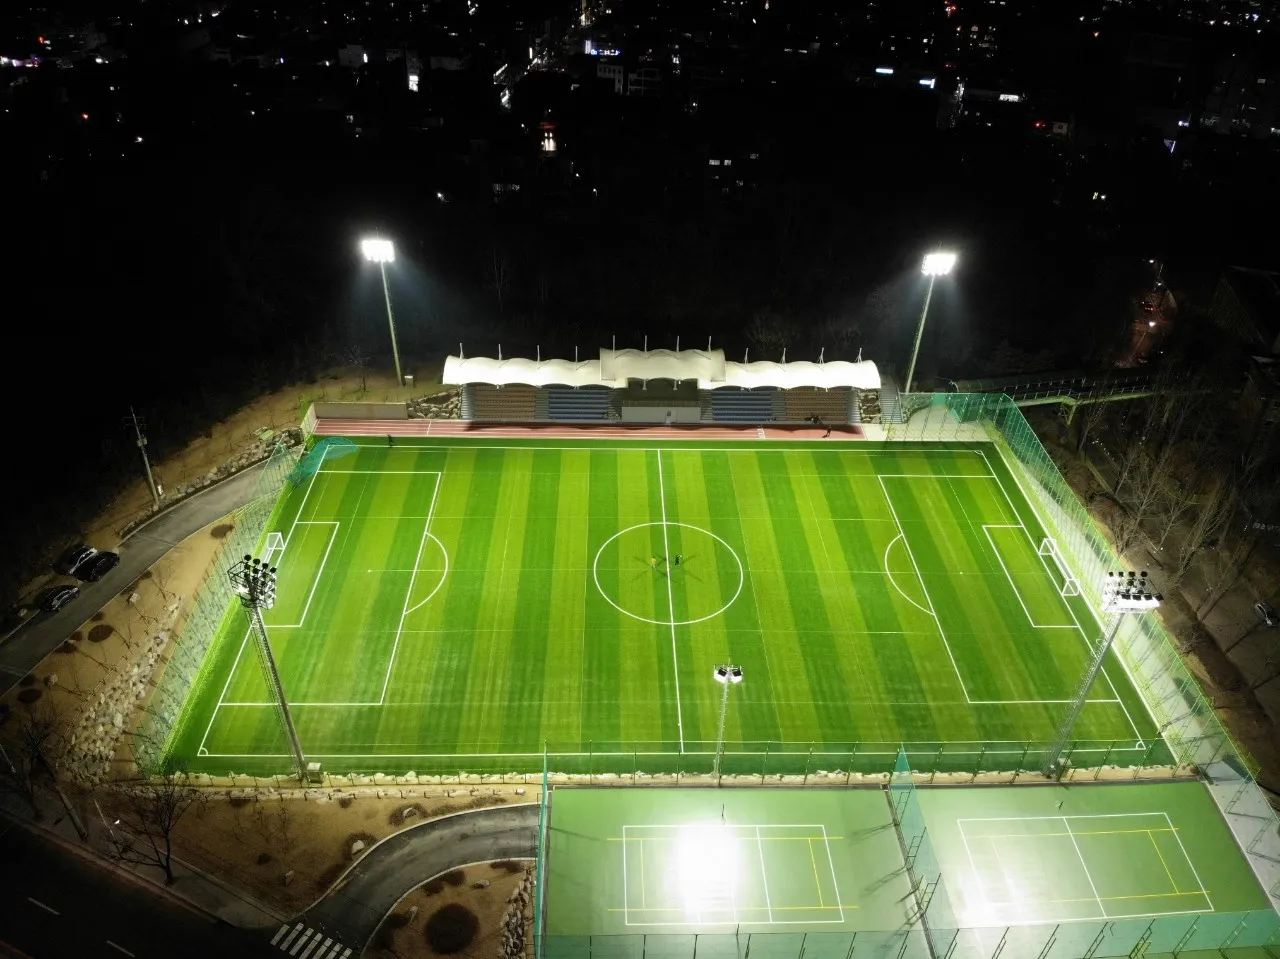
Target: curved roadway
x: 23, y: 649
x: 351, y: 911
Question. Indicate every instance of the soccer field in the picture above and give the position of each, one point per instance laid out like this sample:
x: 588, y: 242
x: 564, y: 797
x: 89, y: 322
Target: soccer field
x: 447, y: 605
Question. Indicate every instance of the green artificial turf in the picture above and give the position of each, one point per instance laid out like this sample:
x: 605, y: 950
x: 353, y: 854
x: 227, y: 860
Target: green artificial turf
x: 459, y: 605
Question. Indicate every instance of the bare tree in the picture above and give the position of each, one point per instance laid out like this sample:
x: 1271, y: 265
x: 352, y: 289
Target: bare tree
x: 499, y: 276
x: 767, y: 333
x: 1091, y: 418
x: 1214, y: 510
x: 1178, y: 495
x: 153, y: 807
x: 355, y: 356
x: 38, y: 743
x: 1225, y: 568
x: 1149, y: 475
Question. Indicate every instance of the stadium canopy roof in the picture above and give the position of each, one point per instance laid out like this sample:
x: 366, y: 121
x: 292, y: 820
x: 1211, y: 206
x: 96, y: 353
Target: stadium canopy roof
x: 616, y: 368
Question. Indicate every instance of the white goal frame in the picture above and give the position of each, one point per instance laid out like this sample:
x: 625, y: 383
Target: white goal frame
x: 1070, y: 583
x: 275, y: 545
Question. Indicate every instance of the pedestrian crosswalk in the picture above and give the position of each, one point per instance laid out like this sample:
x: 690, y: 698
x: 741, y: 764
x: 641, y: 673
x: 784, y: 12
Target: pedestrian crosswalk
x: 303, y: 942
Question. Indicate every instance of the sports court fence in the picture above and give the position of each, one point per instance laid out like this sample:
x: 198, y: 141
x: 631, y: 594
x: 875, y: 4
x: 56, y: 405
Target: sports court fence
x: 182, y: 670
x: 1187, y: 722
x: 1171, y: 934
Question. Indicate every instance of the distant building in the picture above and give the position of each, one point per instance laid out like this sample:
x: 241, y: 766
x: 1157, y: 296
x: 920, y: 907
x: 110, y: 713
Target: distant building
x: 644, y: 81
x: 613, y: 71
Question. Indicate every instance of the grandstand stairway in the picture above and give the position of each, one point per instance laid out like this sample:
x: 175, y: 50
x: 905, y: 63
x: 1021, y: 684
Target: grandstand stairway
x: 889, y: 412
x: 541, y: 404
x: 468, y: 410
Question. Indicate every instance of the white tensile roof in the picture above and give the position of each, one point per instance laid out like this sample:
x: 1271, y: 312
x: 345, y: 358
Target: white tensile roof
x: 616, y: 367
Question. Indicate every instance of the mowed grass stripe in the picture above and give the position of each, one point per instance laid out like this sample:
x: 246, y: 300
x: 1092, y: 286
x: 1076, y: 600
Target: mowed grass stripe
x: 741, y: 638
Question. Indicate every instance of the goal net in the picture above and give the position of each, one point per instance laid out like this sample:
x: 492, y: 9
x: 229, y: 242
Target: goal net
x: 1068, y: 582
x: 275, y: 546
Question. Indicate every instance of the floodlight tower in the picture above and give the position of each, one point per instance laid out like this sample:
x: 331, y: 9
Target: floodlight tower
x: 382, y: 252
x: 1122, y: 594
x: 934, y: 266
x: 726, y: 676
x: 255, y: 583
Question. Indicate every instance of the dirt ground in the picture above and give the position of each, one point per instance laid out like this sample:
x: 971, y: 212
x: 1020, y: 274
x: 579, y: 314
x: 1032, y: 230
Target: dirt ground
x: 233, y: 435
x: 403, y: 934
x: 254, y: 843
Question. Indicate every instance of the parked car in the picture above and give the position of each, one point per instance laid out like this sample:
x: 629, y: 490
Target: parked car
x: 98, y: 567
x: 1267, y: 612
x: 74, y: 558
x: 57, y: 597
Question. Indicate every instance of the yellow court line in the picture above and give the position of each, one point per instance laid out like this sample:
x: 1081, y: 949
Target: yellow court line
x: 1050, y: 902
x: 816, y: 879
x: 1046, y: 835
x: 642, y: 877
x: 1160, y: 856
x: 747, y: 909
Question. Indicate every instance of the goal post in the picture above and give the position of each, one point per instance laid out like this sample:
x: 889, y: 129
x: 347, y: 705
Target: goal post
x: 275, y: 545
x: 1068, y: 582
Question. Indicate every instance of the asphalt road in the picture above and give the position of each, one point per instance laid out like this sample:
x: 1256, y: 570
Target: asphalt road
x: 351, y: 912
x: 54, y: 903
x: 44, y: 632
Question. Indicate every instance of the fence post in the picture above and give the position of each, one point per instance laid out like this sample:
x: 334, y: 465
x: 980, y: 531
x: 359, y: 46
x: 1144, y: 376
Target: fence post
x: 1146, y: 757
x: 1107, y: 755
x: 808, y: 760
x: 635, y: 762
x: 591, y: 750
x: 764, y: 763
x: 978, y: 767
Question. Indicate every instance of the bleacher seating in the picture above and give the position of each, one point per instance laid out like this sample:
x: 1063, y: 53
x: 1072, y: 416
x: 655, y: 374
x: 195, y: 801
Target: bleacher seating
x: 585, y: 403
x: 508, y: 404
x: 831, y: 406
x: 740, y: 406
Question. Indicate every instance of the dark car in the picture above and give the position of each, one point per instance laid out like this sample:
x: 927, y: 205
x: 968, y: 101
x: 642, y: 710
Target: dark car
x: 74, y: 558
x: 98, y: 567
x: 59, y: 596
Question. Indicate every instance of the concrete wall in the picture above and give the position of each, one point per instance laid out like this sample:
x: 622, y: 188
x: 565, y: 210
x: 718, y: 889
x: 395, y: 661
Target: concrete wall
x: 360, y: 411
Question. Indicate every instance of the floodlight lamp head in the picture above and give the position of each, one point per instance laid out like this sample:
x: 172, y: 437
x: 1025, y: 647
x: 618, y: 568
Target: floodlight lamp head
x: 378, y: 250
x: 938, y: 264
x: 728, y: 674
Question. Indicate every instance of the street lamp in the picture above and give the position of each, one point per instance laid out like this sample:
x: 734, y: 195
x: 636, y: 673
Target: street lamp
x: 1122, y: 594
x: 727, y: 676
x: 935, y: 265
x: 380, y: 251
x: 255, y: 583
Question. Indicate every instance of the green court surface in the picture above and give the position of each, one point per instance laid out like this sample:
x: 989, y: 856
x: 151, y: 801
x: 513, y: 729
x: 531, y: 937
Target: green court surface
x: 1044, y: 855
x: 676, y: 862
x: 460, y: 605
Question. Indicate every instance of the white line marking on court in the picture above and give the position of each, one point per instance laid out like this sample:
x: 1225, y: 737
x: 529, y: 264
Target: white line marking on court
x: 626, y: 897
x: 1066, y: 821
x: 671, y: 602
x: 835, y: 883
x: 924, y: 589
x: 986, y: 528
x: 395, y: 646
x: 1199, y: 881
x: 315, y: 583
x: 889, y: 574
x: 764, y: 875
x: 977, y: 875
x: 1084, y: 636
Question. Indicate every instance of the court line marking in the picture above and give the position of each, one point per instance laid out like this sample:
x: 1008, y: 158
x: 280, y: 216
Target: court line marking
x: 890, y: 577
x: 671, y: 602
x: 835, y: 882
x: 924, y: 589
x: 405, y: 610
x: 1159, y: 855
x: 843, y: 754
x: 1045, y: 527
x: 1013, y: 587
x: 764, y: 875
x: 1190, y: 862
x: 315, y: 583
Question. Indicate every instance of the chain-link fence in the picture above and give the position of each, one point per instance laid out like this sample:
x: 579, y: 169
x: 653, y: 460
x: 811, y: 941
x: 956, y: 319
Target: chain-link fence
x: 183, y: 672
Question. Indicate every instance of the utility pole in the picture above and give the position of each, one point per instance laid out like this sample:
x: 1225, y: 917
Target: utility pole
x: 142, y: 448
x: 255, y: 583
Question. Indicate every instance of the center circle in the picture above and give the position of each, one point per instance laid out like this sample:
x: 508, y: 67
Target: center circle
x: 627, y: 553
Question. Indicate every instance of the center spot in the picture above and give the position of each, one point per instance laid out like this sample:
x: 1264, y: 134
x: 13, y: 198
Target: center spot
x: 705, y: 584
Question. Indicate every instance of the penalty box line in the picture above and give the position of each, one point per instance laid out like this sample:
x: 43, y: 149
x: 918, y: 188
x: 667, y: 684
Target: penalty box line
x: 405, y: 611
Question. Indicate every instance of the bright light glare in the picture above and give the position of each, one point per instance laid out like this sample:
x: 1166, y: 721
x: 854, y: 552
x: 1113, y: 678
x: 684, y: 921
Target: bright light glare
x: 706, y: 858
x: 1151, y: 323
x: 378, y: 251
x: 885, y: 71
x: 938, y: 264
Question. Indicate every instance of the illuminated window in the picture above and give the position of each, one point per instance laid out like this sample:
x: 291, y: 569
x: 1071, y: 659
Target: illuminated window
x: 713, y: 162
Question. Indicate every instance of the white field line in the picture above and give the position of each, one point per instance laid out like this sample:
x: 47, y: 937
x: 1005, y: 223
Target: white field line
x: 986, y: 528
x: 889, y: 574
x: 626, y: 899
x: 1194, y: 872
x: 1066, y: 821
x: 404, y: 610
x: 764, y: 875
x: 835, y: 883
x: 333, y: 535
x: 1084, y: 636
x: 924, y: 589
x: 671, y: 602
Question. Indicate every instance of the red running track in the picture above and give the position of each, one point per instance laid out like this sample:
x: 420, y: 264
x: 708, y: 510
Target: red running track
x: 571, y: 431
